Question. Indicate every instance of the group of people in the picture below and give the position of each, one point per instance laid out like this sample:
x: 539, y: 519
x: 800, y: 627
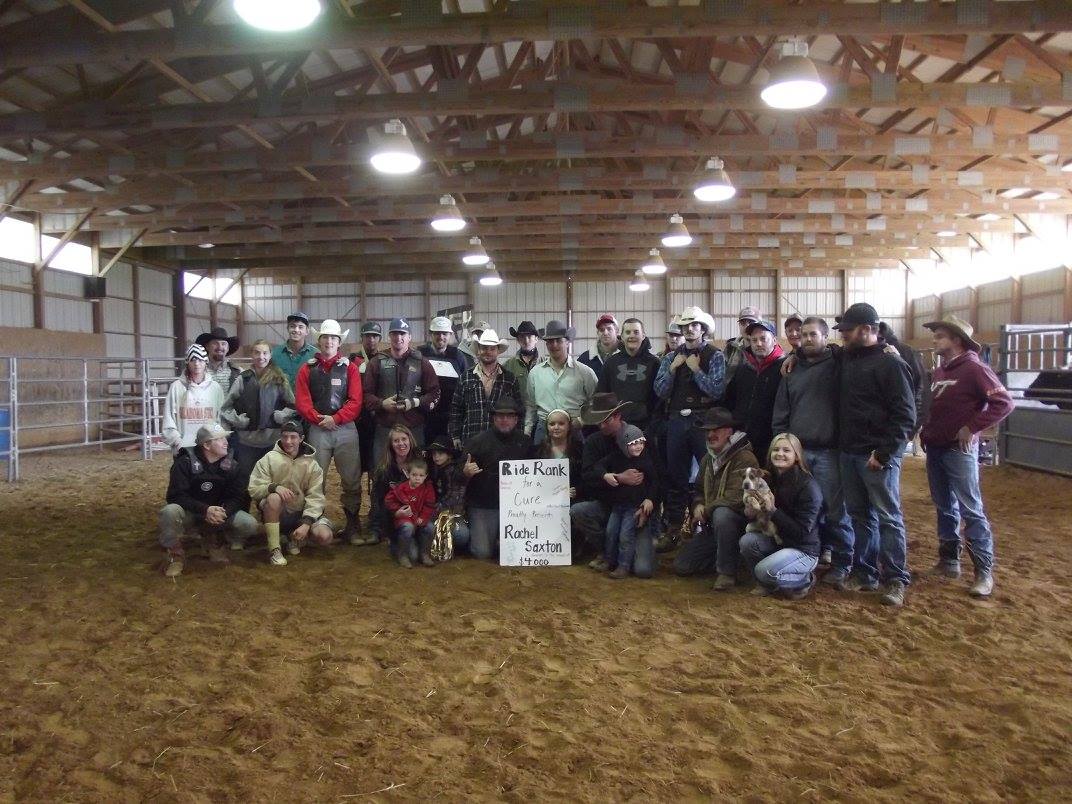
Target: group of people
x: 747, y: 458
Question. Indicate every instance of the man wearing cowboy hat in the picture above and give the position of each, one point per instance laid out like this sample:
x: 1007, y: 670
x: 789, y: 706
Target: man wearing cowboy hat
x: 691, y: 380
x: 449, y: 363
x: 967, y: 398
x: 479, y: 389
x: 470, y: 334
x: 606, y: 345
x: 503, y: 442
x: 205, y: 490
x: 401, y: 387
x: 558, y: 381
x: 219, y: 345
x: 328, y: 397
x: 521, y: 364
x: 876, y: 414
x: 588, y: 517
x: 295, y: 352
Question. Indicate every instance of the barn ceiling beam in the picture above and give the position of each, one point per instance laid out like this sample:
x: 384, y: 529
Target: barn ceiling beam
x: 68, y: 236
x: 611, y: 18
x: 575, y: 96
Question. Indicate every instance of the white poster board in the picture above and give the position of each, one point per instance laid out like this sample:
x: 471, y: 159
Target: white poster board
x: 534, y: 523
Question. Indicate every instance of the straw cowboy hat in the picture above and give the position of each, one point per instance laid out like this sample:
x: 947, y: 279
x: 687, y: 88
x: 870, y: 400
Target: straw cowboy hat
x: 690, y: 314
x: 959, y: 327
x: 490, y: 337
x: 331, y: 327
x: 601, y: 408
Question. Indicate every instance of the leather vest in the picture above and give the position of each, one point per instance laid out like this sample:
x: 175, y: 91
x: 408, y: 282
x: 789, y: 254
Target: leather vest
x: 685, y: 393
x: 249, y: 401
x: 409, y: 369
x: 328, y: 391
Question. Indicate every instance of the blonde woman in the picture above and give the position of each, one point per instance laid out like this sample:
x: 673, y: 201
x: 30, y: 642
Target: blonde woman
x: 786, y: 565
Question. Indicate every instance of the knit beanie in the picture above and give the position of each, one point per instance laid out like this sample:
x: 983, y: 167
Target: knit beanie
x: 628, y: 435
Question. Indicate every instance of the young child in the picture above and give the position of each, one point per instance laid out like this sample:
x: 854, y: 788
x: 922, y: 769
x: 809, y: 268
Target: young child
x: 445, y: 475
x: 413, y: 505
x: 392, y: 469
x: 629, y: 547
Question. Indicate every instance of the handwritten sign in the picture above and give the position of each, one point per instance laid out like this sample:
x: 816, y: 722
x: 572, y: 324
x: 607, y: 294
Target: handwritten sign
x: 534, y: 523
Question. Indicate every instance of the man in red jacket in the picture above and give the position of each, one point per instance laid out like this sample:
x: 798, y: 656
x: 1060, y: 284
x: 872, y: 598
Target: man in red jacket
x: 328, y: 397
x: 966, y: 398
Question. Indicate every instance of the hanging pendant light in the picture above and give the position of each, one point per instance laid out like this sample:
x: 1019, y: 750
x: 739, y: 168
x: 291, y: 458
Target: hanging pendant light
x: 794, y: 82
x: 653, y: 265
x: 491, y: 278
x: 715, y: 184
x: 447, y: 217
x: 639, y: 283
x: 392, y: 152
x: 476, y: 254
x: 677, y: 236
x: 278, y: 15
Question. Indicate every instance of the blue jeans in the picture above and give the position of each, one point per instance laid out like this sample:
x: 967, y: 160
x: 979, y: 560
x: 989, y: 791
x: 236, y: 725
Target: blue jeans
x: 627, y: 545
x: 954, y: 481
x: 835, y: 527
x: 874, y: 503
x: 713, y: 548
x: 781, y: 568
x: 484, y: 532
x: 406, y: 544
x: 460, y: 537
x: 588, y: 526
x: 685, y: 442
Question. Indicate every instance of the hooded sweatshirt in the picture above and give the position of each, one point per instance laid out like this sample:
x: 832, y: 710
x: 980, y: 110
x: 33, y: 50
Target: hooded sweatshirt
x: 619, y: 461
x: 302, y: 475
x: 751, y: 394
x: 187, y: 407
x: 965, y: 393
x: 807, y: 401
x: 632, y: 378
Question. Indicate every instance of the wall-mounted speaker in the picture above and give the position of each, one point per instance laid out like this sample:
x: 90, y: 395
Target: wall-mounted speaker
x: 95, y: 287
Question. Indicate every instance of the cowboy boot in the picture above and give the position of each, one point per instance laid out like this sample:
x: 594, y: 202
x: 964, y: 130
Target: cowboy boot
x: 352, y: 532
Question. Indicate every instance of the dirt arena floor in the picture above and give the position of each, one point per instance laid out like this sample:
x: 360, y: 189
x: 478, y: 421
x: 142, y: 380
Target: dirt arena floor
x: 341, y: 677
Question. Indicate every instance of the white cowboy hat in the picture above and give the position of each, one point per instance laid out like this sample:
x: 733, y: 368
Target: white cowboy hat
x: 490, y: 337
x: 331, y: 327
x: 690, y: 314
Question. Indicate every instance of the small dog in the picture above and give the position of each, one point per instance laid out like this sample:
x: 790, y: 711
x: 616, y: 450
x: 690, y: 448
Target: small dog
x: 757, y: 496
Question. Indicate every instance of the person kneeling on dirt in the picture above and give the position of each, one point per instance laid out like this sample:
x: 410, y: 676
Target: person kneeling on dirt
x: 719, y: 502
x: 204, y: 491
x: 784, y: 562
x: 413, y: 504
x: 287, y: 485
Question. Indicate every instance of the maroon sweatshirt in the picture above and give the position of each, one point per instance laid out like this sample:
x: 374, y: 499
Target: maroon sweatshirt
x: 421, y: 501
x: 964, y: 391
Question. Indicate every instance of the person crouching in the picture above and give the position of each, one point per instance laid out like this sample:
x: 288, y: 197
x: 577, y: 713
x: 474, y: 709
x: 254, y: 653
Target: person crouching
x: 413, y: 504
x: 287, y: 485
x: 629, y: 545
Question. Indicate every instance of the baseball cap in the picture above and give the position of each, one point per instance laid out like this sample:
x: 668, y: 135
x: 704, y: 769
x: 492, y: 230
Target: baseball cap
x: 399, y: 325
x: 606, y: 318
x: 210, y: 432
x: 767, y: 325
x: 371, y: 328
x: 298, y: 316
x: 440, y: 324
x: 292, y: 427
x: 857, y: 314
x: 749, y: 312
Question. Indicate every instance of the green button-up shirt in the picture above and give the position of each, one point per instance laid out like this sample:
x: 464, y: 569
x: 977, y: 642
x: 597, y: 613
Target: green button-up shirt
x: 289, y: 362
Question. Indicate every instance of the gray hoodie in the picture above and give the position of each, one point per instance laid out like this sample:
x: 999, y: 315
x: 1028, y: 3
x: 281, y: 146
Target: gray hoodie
x: 807, y: 402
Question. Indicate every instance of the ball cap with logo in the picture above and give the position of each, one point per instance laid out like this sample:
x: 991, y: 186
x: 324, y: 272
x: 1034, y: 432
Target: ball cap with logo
x: 440, y: 324
x: 399, y: 325
x: 210, y: 432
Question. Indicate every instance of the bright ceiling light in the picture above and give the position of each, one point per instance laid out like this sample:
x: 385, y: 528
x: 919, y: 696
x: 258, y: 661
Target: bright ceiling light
x: 653, y: 265
x: 947, y: 233
x: 677, y: 236
x: 447, y: 217
x: 392, y: 152
x: 206, y: 245
x: 715, y: 184
x: 476, y: 254
x: 1015, y: 192
x: 1067, y: 167
x: 491, y: 278
x: 639, y: 283
x: 1046, y: 195
x: 989, y: 216
x: 794, y: 82
x: 278, y: 15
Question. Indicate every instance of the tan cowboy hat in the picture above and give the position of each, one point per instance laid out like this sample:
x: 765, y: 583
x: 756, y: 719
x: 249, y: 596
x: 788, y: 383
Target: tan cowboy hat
x: 601, y: 408
x: 690, y: 314
x: 490, y: 337
x: 959, y: 327
x: 331, y: 327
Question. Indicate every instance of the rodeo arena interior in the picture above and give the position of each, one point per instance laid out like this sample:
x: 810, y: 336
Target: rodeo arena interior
x: 648, y: 400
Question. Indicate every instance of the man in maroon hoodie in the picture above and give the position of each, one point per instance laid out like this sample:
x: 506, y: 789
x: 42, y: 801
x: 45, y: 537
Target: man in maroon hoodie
x: 966, y: 398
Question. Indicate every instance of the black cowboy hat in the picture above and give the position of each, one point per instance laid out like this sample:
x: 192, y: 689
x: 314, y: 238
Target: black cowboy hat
x: 601, y: 408
x: 525, y: 328
x: 505, y: 406
x: 218, y: 334
x: 716, y: 418
x: 441, y: 444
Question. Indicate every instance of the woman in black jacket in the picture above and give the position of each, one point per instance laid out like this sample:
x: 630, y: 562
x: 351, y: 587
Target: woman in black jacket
x: 788, y: 566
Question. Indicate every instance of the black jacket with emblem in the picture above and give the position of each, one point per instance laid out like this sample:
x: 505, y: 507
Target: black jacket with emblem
x: 196, y: 484
x: 632, y: 378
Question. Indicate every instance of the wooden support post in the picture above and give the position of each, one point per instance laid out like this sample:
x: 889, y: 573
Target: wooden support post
x: 179, y: 314
x: 779, y: 304
x: 569, y: 300
x: 38, y: 277
x: 135, y: 291
x: 1067, y: 316
x: 667, y: 300
x: 1016, y: 313
x: 973, y: 308
x: 97, y: 304
x: 362, y: 304
x: 845, y: 276
x: 213, y: 310
x: 427, y: 302
x: 910, y: 320
x: 68, y: 236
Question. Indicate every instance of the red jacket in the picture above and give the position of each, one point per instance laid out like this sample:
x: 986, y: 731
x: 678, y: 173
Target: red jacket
x: 421, y: 501
x: 350, y: 410
x: 964, y: 391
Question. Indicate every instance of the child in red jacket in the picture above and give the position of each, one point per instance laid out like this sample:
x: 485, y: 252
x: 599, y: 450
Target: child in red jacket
x: 413, y: 505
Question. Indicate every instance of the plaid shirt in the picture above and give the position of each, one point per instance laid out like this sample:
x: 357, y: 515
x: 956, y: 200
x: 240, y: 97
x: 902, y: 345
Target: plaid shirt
x: 470, y: 410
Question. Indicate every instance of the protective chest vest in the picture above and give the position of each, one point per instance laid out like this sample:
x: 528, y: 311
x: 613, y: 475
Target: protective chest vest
x: 400, y: 378
x: 685, y: 393
x: 328, y: 390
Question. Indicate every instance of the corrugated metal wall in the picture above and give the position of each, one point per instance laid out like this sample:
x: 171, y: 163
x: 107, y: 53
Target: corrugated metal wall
x: 812, y: 295
x: 16, y: 294
x: 734, y: 291
x: 885, y: 289
x: 1043, y: 296
x: 507, y: 305
x: 995, y: 305
x: 591, y: 299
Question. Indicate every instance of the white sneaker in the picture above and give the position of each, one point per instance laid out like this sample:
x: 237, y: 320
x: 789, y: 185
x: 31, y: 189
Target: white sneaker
x: 277, y: 559
x: 293, y: 548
